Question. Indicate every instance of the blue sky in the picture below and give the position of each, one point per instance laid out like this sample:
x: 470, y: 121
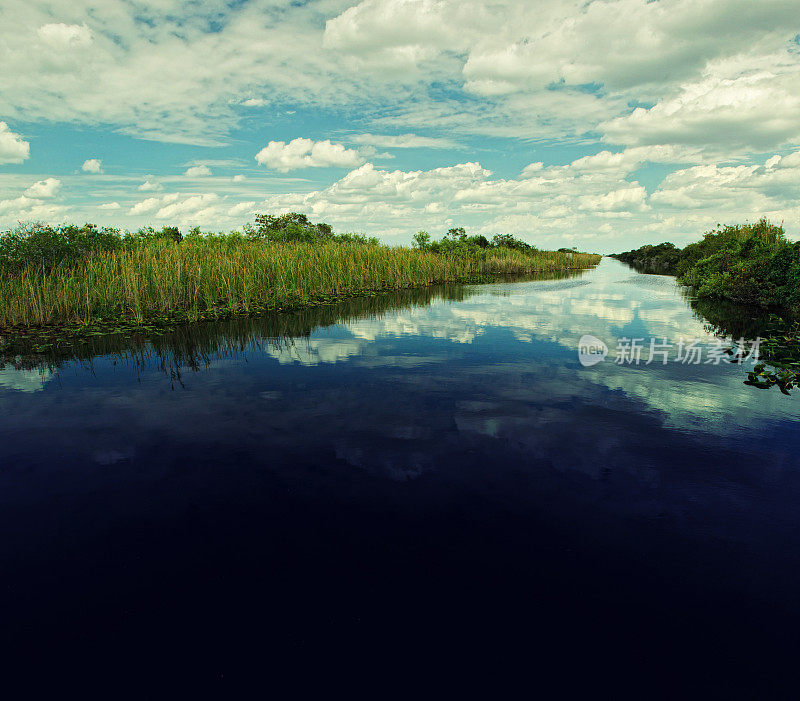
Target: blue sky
x: 604, y: 124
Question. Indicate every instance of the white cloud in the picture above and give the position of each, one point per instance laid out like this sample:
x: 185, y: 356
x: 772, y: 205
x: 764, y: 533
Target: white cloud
x: 13, y: 149
x: 151, y: 204
x: 109, y: 63
x: 403, y: 141
x: 239, y: 178
x: 367, y: 195
x: 17, y: 205
x: 92, y: 165
x: 149, y: 185
x: 241, y: 208
x: 746, y: 101
x: 716, y: 82
x: 44, y: 189
x: 593, y: 197
x: 305, y: 153
x: 190, y: 209
x: 630, y: 159
x: 109, y: 206
x: 180, y: 208
x: 197, y: 171
x: 739, y: 192
x: 548, y: 68
x: 25, y: 208
x: 65, y: 35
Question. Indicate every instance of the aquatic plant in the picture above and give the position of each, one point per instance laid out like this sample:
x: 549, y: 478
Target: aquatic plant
x: 160, y: 278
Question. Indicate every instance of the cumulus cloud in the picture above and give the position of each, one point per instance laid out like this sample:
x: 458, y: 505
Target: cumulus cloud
x: 110, y: 206
x: 149, y: 185
x: 151, y: 204
x: 181, y: 208
x: 241, y: 208
x: 745, y: 101
x: 108, y: 63
x: 595, y: 196
x: 560, y: 67
x: 305, y: 153
x: 92, y: 165
x: 768, y: 188
x: 13, y: 149
x: 44, y: 189
x: 28, y: 208
x: 197, y: 171
x: 516, y: 45
x: 703, y: 88
x: 192, y: 208
x: 239, y: 178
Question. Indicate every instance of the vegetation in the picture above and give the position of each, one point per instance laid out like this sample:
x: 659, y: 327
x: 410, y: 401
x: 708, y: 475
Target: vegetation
x: 662, y: 259
x: 457, y: 241
x: 750, y: 264
x: 82, y: 275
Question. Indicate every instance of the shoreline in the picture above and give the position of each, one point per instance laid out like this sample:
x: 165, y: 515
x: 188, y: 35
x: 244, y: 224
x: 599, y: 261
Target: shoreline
x: 48, y: 338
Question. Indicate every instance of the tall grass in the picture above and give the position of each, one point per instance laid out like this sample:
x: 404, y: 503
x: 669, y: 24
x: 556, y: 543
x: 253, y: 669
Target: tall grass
x: 205, y: 276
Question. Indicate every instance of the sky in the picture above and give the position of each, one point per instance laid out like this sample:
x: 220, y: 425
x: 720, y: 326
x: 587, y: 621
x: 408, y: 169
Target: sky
x: 601, y: 124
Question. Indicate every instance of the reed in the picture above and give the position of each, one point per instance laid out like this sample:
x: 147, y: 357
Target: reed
x: 212, y: 277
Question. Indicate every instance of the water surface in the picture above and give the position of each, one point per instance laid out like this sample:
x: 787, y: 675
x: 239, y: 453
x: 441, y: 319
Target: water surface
x: 429, y: 471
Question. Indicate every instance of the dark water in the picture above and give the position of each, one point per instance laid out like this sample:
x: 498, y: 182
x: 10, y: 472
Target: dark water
x: 409, y: 481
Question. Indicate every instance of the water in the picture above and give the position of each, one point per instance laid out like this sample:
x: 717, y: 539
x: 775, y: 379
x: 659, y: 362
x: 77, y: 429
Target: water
x: 431, y: 473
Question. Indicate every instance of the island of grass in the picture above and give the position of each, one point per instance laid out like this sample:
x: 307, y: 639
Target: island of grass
x: 67, y: 280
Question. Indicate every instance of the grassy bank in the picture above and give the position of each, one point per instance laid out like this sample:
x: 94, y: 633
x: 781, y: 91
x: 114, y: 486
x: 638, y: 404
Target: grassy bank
x: 152, y: 278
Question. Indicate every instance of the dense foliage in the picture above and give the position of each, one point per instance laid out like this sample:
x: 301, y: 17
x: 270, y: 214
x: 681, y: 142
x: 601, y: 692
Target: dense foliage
x: 43, y: 246
x: 661, y: 259
x: 457, y: 241
x: 751, y: 264
x: 296, y: 227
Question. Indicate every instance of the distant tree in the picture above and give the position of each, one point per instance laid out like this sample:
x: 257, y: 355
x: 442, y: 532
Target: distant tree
x: 171, y: 232
x: 480, y: 240
x: 509, y: 241
x: 422, y: 240
x: 457, y: 234
x: 288, y: 227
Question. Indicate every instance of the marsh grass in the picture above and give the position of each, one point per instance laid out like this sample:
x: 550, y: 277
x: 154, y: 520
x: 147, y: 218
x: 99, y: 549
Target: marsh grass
x: 217, y: 278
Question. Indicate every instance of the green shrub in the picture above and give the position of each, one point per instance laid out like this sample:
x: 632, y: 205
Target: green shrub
x: 751, y: 264
x: 41, y: 245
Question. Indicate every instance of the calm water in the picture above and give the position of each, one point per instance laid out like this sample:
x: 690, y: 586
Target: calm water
x: 433, y: 473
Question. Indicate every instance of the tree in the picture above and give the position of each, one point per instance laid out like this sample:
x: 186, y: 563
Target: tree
x: 457, y: 234
x: 422, y: 240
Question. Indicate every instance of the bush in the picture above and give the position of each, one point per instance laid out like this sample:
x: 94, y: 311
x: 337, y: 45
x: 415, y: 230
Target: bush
x: 41, y: 245
x: 456, y: 241
x: 288, y: 227
x: 749, y: 263
x: 508, y: 241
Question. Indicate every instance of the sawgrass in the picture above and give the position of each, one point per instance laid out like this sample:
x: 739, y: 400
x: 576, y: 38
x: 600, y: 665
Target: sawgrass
x: 206, y: 278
